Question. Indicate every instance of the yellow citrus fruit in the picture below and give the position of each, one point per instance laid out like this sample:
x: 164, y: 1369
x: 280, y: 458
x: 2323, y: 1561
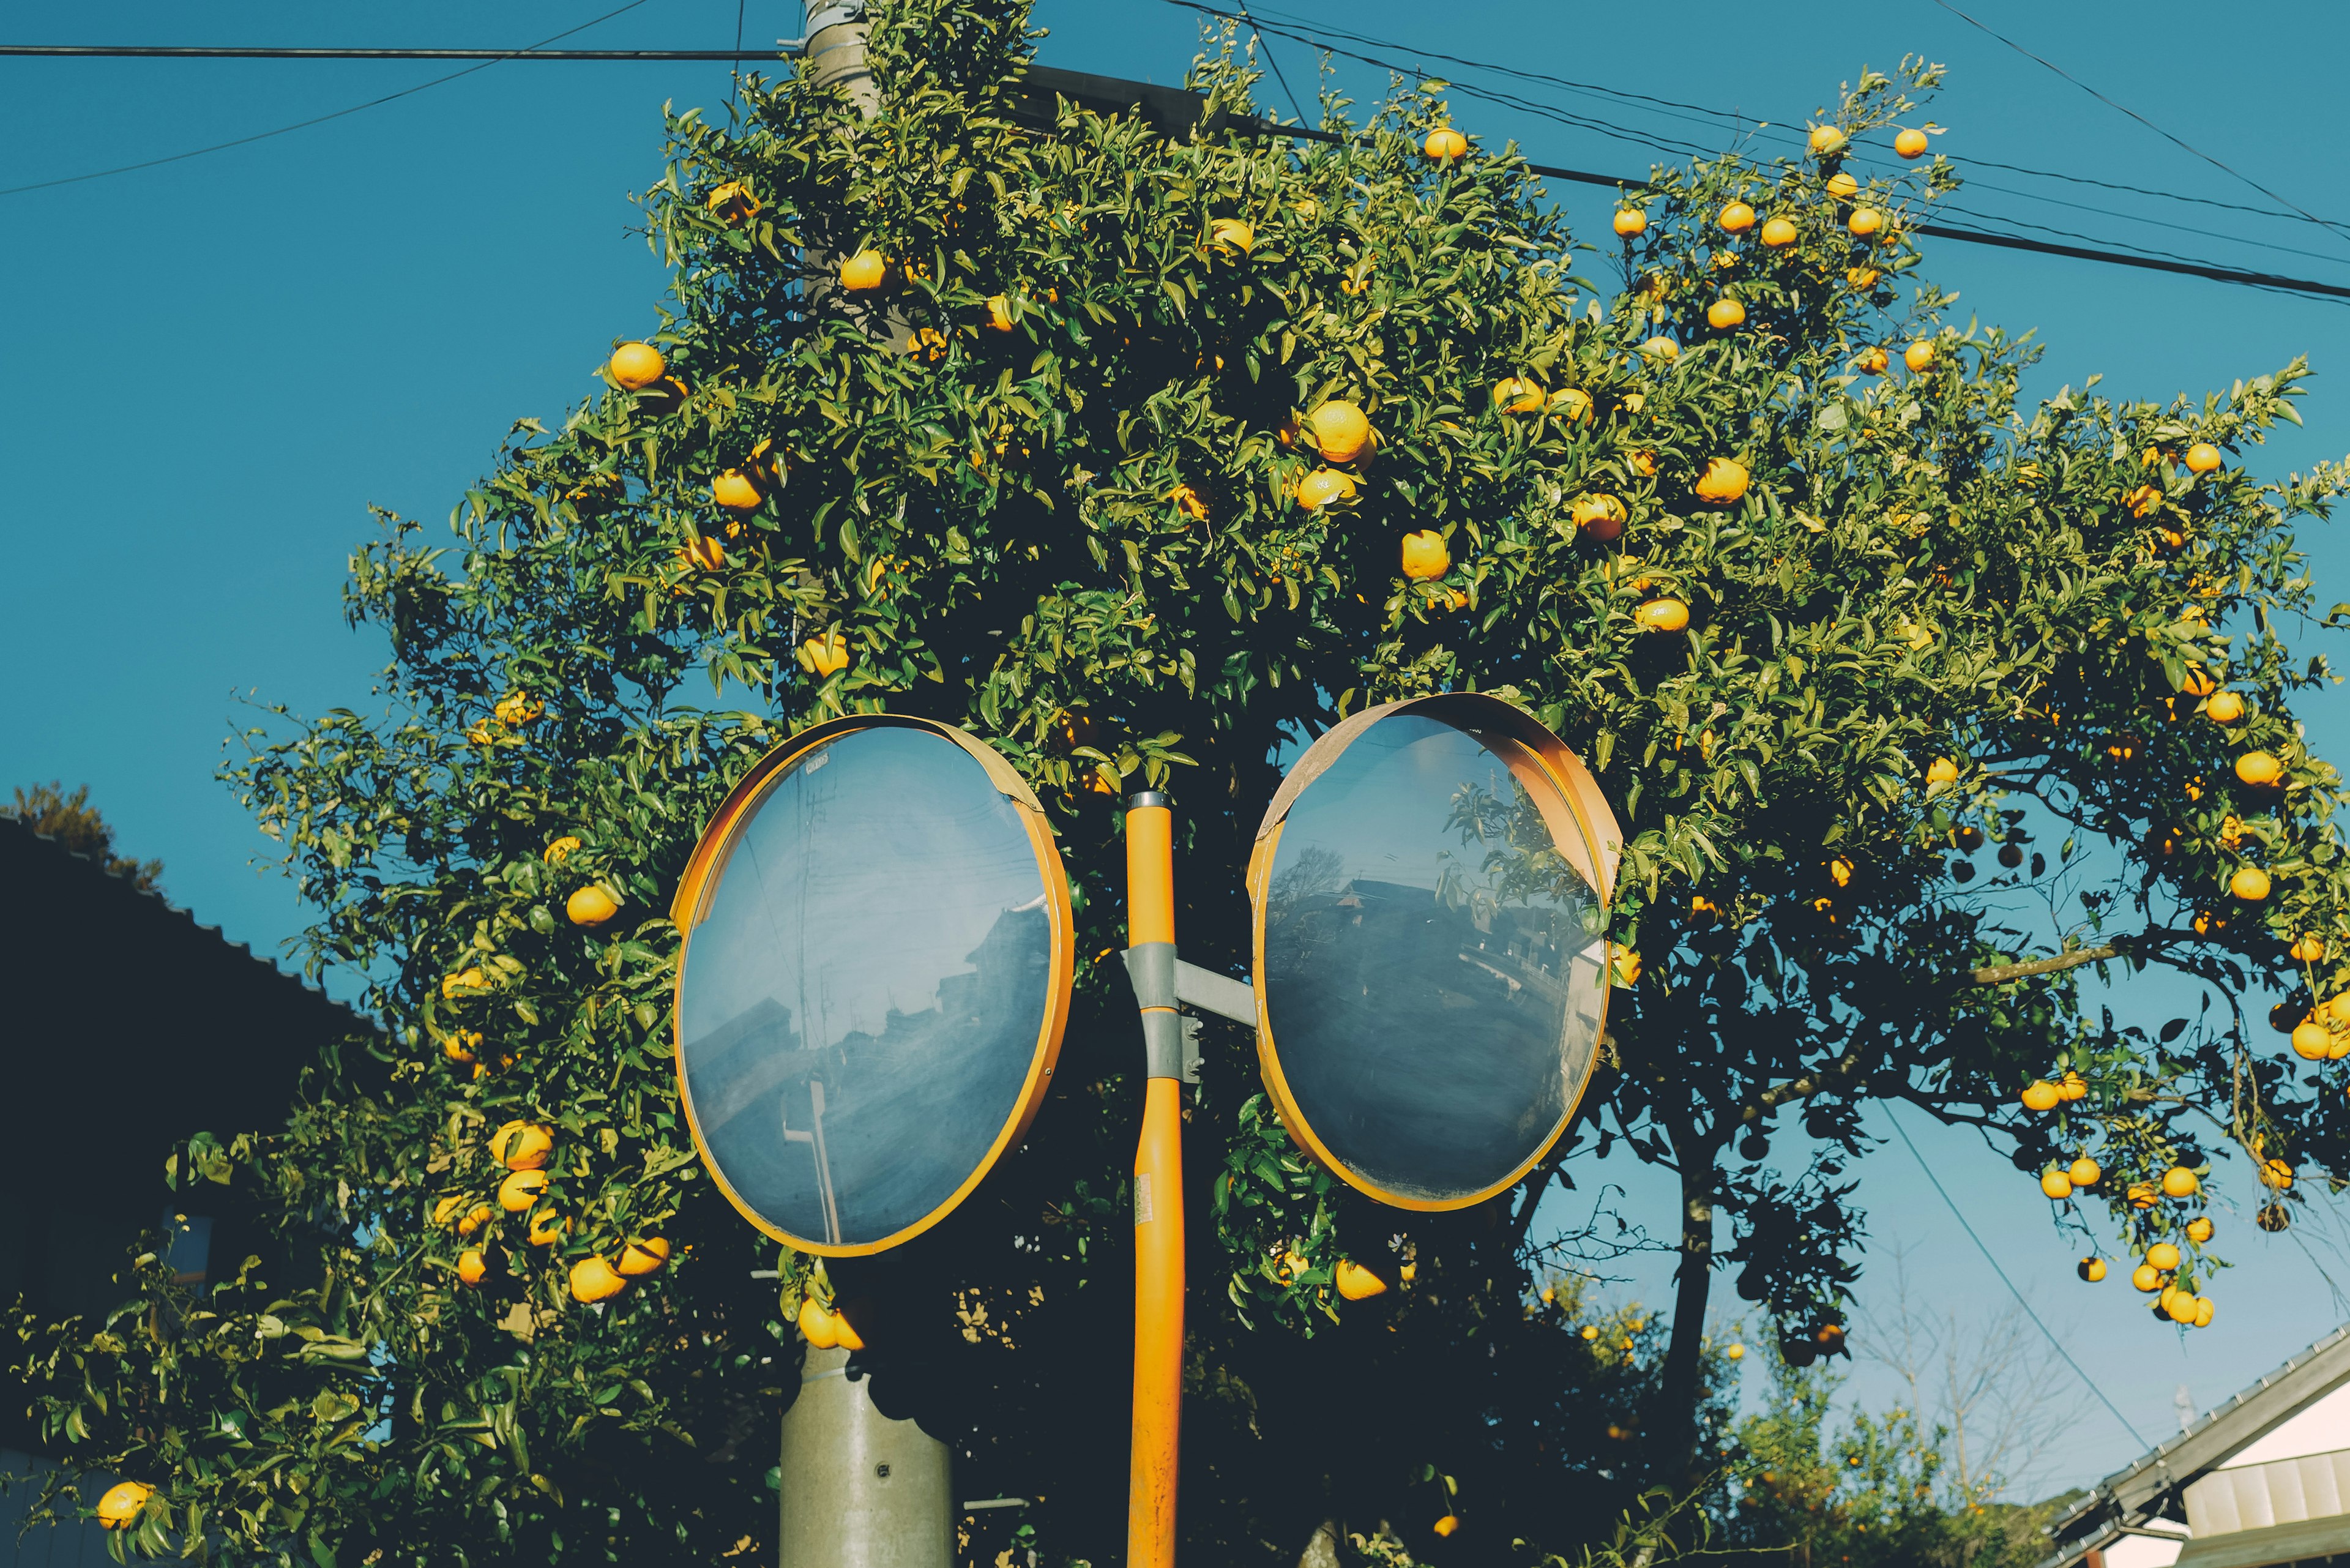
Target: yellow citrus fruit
x: 124, y: 1501
x: 1601, y: 516
x: 546, y: 1228
x: 1572, y: 404
x: 2163, y: 1256
x: 1661, y: 614
x: 1624, y: 963
x: 1425, y: 556
x: 1341, y: 432
x: 2144, y: 1195
x: 1737, y: 218
x: 2203, y: 1312
x: 2258, y: 768
x: 2084, y: 1173
x: 1445, y: 144
x: 2224, y: 707
x: 845, y: 1332
x: 2073, y: 1086
x: 1941, y: 771
x: 733, y: 203
x: 521, y: 1146
x: 1630, y: 221
x: 2249, y: 884
x: 2180, y: 1182
x: 1865, y: 222
x: 482, y: 1215
x: 635, y: 365
x: 1357, y: 1283
x: 471, y: 1267
x: 1723, y: 481
x: 643, y: 1256
x: 704, y: 552
x: 2147, y: 1277
x: 1840, y: 870
x: 1910, y: 143
x: 1512, y: 395
x: 1187, y: 501
x: 735, y: 491
x: 557, y: 852
x: 999, y: 313
x: 1643, y: 463
x: 1663, y: 348
x: 2056, y: 1184
x: 1843, y: 186
x: 459, y: 1047
x: 1862, y: 278
x: 1918, y: 355
x: 1324, y: 487
x: 2199, y: 1228
x: 1872, y: 360
x: 594, y: 1279
x: 2203, y: 457
x: 864, y: 271
x: 2312, y: 1041
x: 1447, y: 1525
x: 2308, y: 949
x: 1779, y: 231
x: 2180, y: 1306
x: 2276, y: 1173
x: 827, y: 655
x: 2040, y: 1095
x: 450, y: 1210
x: 465, y: 982
x: 517, y: 1192
x: 2091, y: 1269
x: 1725, y: 314
x: 590, y: 906
x: 1824, y: 139
x: 818, y: 1326
x: 1232, y: 234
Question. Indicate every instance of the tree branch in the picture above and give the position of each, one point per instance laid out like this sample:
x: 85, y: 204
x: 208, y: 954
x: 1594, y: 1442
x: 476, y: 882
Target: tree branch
x: 2000, y: 974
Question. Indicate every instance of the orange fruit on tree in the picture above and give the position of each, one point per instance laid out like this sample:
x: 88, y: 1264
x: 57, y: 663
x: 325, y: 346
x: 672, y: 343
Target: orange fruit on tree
x: 1910, y: 143
x: 826, y: 655
x: 1663, y: 348
x: 1425, y: 556
x: 522, y: 1146
x: 1447, y: 1525
x: 2144, y: 1195
x: 733, y: 203
x: 818, y: 1326
x: 2073, y: 1086
x: 1514, y: 395
x: 864, y: 271
x: 1737, y: 218
x: 1232, y: 234
x: 1723, y: 481
x: 2259, y: 769
x: 591, y: 906
x: 2091, y: 1269
x: 1572, y: 404
x: 2180, y: 1306
x: 557, y: 852
x: 2276, y: 1173
x: 1725, y: 314
x: 643, y: 1256
x: 1861, y: 277
x: 1341, y: 430
x: 1601, y: 516
x: 2203, y: 457
x: 1000, y: 315
x: 1941, y: 771
x: 459, y: 1047
x: 482, y: 1215
x: 122, y: 1503
x: 1643, y: 463
x: 1445, y: 144
x: 1357, y: 1283
x: 703, y: 551
x: 547, y: 1228
x: 2084, y: 1173
x: 1872, y: 360
x: 2308, y: 949
x: 1187, y: 501
x: 635, y: 365
x: 2163, y: 1256
x: 1825, y: 140
x: 518, y: 1191
x: 1843, y: 186
x: 2203, y: 1312
x: 1918, y: 355
x: 845, y: 1317
x: 2224, y: 707
x: 2040, y: 1095
x: 594, y: 1279
x: 2147, y: 1277
x: 1324, y: 487
x: 2250, y: 883
x: 448, y: 1209
x: 2312, y: 1041
x: 2199, y: 1228
x: 465, y: 982
x: 2181, y: 1182
x: 2056, y: 1184
x: 1630, y: 221
x: 735, y: 491
x: 1624, y: 966
x: 471, y: 1267
x: 1661, y: 614
x: 1779, y: 231
x: 1865, y: 222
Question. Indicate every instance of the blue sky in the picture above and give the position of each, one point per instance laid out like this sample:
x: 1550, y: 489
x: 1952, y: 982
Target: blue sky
x: 218, y: 365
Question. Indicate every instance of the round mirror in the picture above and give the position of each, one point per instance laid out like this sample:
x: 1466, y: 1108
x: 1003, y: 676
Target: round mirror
x: 875, y: 977
x: 1430, y: 893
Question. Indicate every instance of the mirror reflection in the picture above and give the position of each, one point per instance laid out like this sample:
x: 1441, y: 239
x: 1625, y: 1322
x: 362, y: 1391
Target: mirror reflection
x: 864, y: 992
x: 1433, y: 962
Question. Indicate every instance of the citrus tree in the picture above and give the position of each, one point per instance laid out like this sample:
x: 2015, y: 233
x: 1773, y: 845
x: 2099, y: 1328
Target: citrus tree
x: 1143, y: 456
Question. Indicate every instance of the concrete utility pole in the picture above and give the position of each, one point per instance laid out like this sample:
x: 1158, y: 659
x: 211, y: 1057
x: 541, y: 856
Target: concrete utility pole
x: 856, y: 1488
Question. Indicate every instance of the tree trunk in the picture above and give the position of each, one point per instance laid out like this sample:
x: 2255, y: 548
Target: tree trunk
x: 1322, y: 1548
x: 1675, y: 1453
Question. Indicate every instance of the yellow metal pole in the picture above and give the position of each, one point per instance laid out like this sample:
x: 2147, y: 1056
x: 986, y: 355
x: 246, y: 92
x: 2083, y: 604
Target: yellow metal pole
x: 1158, y: 1187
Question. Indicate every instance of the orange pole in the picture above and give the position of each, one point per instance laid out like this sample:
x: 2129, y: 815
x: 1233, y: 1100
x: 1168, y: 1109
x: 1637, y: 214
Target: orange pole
x: 1158, y: 1204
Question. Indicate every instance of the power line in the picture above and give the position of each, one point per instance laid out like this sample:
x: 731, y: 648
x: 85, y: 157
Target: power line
x: 315, y: 119
x: 1269, y: 60
x: 245, y: 52
x: 2134, y: 114
x: 2054, y: 1344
